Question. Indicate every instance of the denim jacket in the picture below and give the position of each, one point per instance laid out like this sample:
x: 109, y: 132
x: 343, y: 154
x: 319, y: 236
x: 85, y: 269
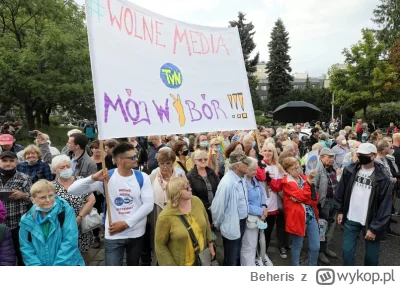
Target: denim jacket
x: 256, y: 198
x: 224, y: 208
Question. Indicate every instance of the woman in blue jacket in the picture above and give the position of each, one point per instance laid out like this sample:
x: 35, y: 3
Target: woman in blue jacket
x: 255, y: 221
x: 48, y: 232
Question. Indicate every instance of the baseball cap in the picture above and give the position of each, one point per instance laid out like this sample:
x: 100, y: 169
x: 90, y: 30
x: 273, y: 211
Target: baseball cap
x: 239, y: 156
x: 366, y: 149
x: 6, y: 139
x: 8, y: 154
x: 327, y: 151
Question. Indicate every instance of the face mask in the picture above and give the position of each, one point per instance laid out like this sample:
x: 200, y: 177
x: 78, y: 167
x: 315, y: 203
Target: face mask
x: 344, y: 142
x: 185, y: 153
x: 65, y: 174
x: 151, y: 144
x: 176, y: 138
x: 253, y: 144
x: 32, y: 162
x: 262, y: 224
x: 48, y: 141
x: 216, y: 149
x: 204, y: 144
x: 364, y: 160
x: 8, y: 172
x: 46, y: 210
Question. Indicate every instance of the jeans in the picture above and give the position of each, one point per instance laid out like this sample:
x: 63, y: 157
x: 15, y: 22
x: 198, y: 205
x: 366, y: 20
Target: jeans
x: 350, y: 235
x: 312, y: 231
x: 329, y: 213
x: 232, y: 247
x: 115, y: 248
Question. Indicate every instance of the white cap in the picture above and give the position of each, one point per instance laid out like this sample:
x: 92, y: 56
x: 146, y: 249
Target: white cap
x: 366, y: 149
x: 73, y: 131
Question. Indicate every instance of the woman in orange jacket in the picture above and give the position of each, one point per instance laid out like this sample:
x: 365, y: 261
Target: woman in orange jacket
x: 301, y: 212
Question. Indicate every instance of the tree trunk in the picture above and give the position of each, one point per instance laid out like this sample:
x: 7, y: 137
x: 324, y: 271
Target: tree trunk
x: 38, y: 120
x: 30, y: 119
x: 365, y: 112
x: 46, y: 116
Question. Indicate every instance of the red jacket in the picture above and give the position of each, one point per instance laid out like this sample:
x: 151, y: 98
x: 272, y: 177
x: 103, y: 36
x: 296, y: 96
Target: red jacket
x: 295, y: 212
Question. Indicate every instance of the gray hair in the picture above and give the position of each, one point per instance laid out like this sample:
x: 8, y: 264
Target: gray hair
x: 232, y: 166
x: 57, y: 160
x: 342, y: 132
x: 198, y: 153
x: 324, y: 136
x: 253, y: 162
x: 289, y: 147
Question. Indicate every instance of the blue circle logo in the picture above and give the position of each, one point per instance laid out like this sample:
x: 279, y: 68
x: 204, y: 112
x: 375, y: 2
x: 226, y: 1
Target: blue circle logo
x: 119, y: 201
x: 312, y: 162
x: 171, y: 75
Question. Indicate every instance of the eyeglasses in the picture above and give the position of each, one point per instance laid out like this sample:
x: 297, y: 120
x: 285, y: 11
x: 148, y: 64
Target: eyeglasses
x: 133, y: 157
x: 44, y: 198
x: 217, y: 144
x: 295, y: 168
x: 202, y: 160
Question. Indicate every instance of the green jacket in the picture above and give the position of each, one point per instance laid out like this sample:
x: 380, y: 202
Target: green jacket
x: 171, y: 235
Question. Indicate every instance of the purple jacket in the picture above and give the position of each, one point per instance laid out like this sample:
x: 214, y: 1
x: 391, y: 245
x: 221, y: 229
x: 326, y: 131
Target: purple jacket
x: 3, y: 212
x: 7, y: 253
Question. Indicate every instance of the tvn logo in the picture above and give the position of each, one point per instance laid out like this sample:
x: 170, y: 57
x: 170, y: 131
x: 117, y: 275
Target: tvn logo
x: 325, y: 276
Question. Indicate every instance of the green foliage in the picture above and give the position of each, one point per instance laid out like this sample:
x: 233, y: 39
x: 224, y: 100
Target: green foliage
x: 258, y: 112
x: 261, y: 120
x: 387, y: 16
x: 320, y: 97
x: 246, y: 35
x: 56, y: 120
x: 278, y: 67
x: 383, y: 114
x: 44, y: 58
x: 363, y: 81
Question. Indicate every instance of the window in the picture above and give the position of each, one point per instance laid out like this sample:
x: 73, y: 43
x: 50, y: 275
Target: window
x: 264, y: 87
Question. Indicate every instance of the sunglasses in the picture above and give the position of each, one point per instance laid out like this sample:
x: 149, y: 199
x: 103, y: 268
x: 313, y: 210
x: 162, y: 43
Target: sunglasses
x: 202, y: 160
x: 133, y: 157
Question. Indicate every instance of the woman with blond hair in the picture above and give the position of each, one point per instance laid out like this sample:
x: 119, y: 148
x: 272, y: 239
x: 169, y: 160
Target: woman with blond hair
x: 33, y: 166
x: 49, y: 233
x: 174, y: 245
x: 202, y: 143
x: 301, y: 212
x: 271, y: 173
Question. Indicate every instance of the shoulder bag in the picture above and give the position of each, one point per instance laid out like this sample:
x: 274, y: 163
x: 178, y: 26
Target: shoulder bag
x: 202, y: 258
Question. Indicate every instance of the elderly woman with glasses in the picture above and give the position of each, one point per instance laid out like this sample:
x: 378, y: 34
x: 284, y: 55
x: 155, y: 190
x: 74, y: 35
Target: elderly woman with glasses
x: 300, y: 207
x: 203, y: 180
x: 159, y: 179
x: 48, y: 231
x: 173, y: 244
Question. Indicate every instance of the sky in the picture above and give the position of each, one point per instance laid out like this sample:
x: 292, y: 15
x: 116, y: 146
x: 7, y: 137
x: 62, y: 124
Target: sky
x: 319, y: 30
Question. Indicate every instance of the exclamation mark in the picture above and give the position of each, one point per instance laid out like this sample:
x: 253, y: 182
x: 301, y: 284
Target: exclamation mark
x: 230, y: 100
x: 235, y: 98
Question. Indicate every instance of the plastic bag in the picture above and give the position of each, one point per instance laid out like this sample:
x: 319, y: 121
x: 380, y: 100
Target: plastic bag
x: 91, y: 221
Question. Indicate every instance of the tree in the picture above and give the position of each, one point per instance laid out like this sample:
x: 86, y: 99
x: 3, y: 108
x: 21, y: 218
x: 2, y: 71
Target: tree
x: 278, y: 67
x: 394, y: 60
x: 365, y: 78
x: 308, y: 83
x: 387, y: 16
x: 44, y: 57
x: 246, y: 35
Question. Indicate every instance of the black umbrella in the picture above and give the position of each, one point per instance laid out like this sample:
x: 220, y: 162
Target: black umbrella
x: 296, y: 112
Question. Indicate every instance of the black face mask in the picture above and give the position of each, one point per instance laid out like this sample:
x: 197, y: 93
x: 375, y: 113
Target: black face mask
x: 185, y: 153
x: 364, y: 160
x: 151, y: 144
x: 8, y: 172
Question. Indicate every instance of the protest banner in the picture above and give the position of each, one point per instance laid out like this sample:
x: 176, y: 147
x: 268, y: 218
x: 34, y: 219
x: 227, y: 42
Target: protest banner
x: 312, y: 161
x: 153, y: 75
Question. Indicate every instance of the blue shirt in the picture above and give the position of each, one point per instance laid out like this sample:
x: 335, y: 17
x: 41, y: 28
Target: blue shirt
x: 243, y: 205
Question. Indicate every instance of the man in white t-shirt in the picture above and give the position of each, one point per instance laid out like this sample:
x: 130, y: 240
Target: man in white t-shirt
x: 129, y: 205
x: 364, y: 196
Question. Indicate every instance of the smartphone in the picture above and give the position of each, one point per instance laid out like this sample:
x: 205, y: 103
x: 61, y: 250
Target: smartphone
x: 32, y: 134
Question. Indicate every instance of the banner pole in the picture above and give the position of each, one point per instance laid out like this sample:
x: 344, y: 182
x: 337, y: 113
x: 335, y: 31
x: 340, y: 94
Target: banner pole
x: 105, y: 182
x: 258, y: 140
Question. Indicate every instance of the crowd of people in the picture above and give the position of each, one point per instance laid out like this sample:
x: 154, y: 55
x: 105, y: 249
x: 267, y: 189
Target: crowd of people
x: 169, y: 197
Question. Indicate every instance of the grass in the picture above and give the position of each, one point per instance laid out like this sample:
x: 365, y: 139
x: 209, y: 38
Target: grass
x: 57, y: 134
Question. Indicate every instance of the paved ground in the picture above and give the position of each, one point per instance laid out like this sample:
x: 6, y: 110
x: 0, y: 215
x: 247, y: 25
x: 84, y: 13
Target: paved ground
x: 389, y: 252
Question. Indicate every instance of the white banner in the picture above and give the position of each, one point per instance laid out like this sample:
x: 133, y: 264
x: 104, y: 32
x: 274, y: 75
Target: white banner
x: 312, y: 161
x: 153, y: 75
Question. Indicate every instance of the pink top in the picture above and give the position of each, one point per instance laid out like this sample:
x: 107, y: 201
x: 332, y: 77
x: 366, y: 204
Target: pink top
x: 3, y: 212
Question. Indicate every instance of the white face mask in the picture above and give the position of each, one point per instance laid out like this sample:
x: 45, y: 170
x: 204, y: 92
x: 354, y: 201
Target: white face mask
x: 176, y: 138
x: 65, y: 174
x: 344, y: 141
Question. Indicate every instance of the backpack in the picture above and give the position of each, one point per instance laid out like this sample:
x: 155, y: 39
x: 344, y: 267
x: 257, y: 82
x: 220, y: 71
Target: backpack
x: 139, y: 178
x: 2, y: 232
x: 60, y: 217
